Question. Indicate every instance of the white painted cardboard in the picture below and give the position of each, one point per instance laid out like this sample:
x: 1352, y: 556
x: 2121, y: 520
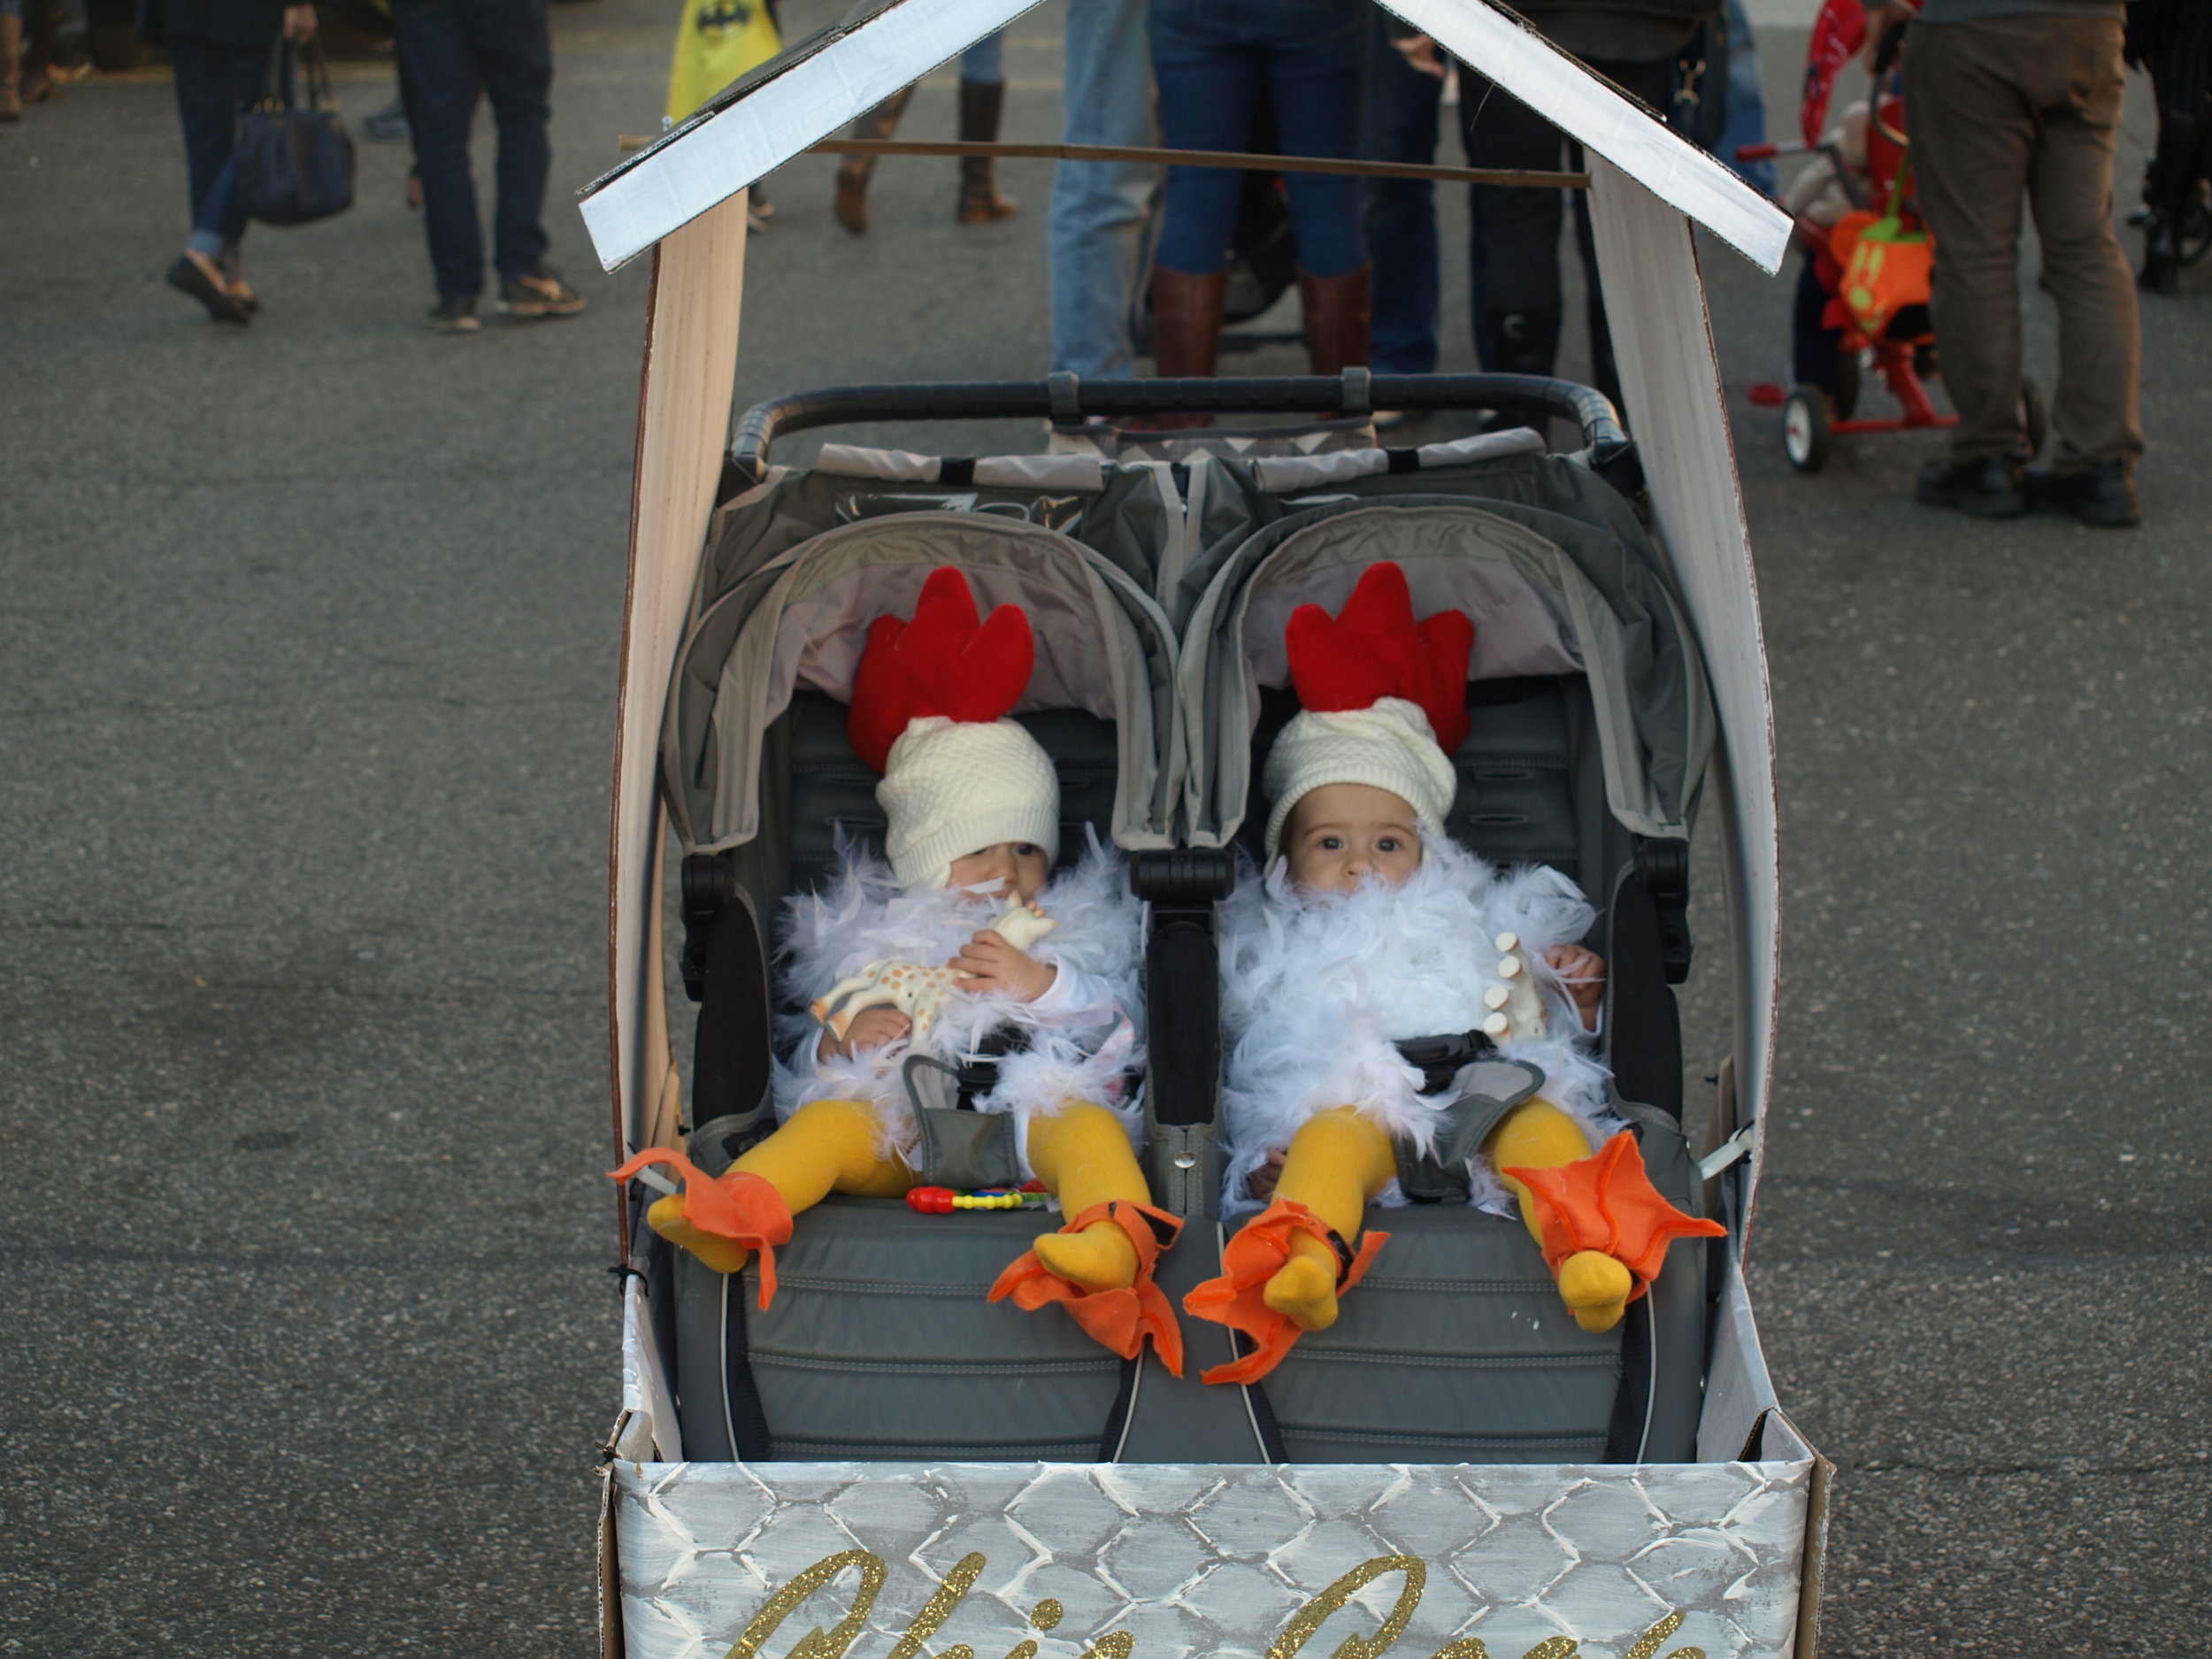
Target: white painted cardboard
x: 1215, y: 1560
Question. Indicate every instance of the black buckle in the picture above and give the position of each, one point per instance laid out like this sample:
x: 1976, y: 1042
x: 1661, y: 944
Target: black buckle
x: 1664, y: 867
x: 708, y: 883
x: 1438, y: 1059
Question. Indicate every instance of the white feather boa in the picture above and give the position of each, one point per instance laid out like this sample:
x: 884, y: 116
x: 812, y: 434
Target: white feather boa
x: 1318, y: 989
x: 863, y: 916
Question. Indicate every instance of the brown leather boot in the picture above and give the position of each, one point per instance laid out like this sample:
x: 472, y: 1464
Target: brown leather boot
x: 1336, y: 319
x: 853, y: 171
x: 1186, y: 333
x: 981, y: 104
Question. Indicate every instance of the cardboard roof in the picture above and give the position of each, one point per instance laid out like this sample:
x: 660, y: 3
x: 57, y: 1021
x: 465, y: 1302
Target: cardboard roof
x: 816, y: 87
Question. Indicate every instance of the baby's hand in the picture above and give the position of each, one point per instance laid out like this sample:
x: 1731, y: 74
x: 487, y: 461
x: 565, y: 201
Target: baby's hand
x: 871, y: 1028
x: 1261, y: 1182
x: 987, y: 963
x: 1584, y: 971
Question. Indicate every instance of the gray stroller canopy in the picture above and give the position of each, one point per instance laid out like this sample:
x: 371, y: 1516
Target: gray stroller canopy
x: 800, y: 619
x: 1537, y: 610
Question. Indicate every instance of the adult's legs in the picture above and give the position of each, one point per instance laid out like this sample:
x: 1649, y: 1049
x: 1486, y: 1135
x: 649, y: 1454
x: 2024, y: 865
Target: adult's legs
x: 1098, y: 206
x: 1654, y: 83
x: 1208, y: 81
x: 1398, y: 215
x: 982, y: 107
x: 1518, y: 331
x: 513, y: 44
x: 2095, y: 412
x: 213, y: 84
x: 1207, y: 89
x: 1746, y: 103
x: 1974, y: 135
x: 444, y: 82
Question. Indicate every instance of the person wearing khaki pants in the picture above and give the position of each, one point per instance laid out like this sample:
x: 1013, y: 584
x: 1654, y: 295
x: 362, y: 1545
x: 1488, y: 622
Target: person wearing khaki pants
x: 2006, y: 98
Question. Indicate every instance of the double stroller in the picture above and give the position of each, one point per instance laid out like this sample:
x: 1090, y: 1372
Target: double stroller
x: 1158, y: 579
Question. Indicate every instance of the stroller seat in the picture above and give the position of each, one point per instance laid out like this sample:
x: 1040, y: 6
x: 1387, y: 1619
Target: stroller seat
x: 1584, y: 746
x: 879, y: 1344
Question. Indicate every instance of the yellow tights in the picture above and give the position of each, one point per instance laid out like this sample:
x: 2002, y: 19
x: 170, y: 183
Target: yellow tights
x: 1340, y: 1160
x: 1081, y: 1153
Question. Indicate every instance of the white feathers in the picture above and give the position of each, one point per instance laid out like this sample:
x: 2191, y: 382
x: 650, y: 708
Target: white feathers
x: 1077, y: 1049
x: 1318, y: 989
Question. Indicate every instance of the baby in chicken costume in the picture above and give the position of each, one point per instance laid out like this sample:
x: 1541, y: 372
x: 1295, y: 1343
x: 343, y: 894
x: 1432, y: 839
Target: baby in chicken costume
x: 962, y: 933
x: 1370, y: 927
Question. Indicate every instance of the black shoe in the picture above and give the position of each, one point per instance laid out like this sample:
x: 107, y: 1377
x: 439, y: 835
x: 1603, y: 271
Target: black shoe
x: 456, y: 316
x: 188, y: 276
x: 2101, y: 494
x: 1988, y: 486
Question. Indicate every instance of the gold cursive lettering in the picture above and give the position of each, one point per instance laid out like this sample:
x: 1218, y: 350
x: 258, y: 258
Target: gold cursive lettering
x: 1465, y: 1647
x: 1552, y: 1648
x: 1316, y: 1612
x: 815, y: 1644
x: 938, y: 1607
x: 1114, y: 1646
x: 1648, y: 1644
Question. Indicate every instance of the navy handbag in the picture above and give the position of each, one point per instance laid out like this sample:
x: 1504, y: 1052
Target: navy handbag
x: 295, y: 161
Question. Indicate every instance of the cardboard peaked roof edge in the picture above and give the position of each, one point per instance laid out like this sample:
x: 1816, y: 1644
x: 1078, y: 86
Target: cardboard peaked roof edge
x: 813, y: 90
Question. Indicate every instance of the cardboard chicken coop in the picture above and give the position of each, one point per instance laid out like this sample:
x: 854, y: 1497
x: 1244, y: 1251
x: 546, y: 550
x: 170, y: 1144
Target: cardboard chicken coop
x: 1644, y: 1495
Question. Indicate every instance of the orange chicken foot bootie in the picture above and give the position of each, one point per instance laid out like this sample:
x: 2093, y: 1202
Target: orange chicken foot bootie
x: 721, y: 1221
x: 1605, y: 1229
x: 1246, y: 1298
x: 1117, y: 1316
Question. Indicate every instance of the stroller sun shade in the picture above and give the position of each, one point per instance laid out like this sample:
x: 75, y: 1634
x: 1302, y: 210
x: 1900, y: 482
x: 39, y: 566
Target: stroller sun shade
x: 1539, y: 609
x: 799, y: 621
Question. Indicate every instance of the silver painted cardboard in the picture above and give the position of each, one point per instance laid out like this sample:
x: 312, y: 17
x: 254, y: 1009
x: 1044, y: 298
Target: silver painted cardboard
x: 1218, y: 1560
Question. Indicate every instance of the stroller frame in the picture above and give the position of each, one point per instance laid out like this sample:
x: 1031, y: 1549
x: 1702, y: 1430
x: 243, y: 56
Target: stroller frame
x: 1232, y: 1559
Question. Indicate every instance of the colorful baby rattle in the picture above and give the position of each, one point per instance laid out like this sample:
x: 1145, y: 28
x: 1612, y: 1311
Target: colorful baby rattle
x: 942, y: 1201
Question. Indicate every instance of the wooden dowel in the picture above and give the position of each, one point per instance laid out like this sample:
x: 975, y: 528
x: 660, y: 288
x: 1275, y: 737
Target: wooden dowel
x: 1511, y: 177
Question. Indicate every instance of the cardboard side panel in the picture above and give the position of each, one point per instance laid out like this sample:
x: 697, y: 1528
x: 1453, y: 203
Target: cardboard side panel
x: 1737, y: 1390
x: 1655, y: 300
x: 706, y: 164
x: 1564, y: 93
x: 683, y: 424
x: 1162, y: 1561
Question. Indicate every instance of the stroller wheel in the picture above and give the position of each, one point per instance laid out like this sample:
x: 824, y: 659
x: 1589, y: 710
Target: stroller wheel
x: 2035, y: 417
x: 1805, y: 428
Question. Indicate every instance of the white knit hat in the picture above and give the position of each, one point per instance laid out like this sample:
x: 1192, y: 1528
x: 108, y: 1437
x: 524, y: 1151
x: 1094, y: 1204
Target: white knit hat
x: 952, y: 787
x: 1389, y: 746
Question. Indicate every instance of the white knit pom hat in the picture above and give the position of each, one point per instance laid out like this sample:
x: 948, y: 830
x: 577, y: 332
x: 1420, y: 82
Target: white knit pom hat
x: 1387, y: 746
x: 951, y: 787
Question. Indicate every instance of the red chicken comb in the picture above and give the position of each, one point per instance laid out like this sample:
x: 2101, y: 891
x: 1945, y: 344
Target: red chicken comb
x: 943, y: 662
x: 1373, y: 648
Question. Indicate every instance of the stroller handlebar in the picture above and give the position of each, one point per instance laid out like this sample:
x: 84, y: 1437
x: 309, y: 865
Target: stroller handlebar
x: 1067, y: 399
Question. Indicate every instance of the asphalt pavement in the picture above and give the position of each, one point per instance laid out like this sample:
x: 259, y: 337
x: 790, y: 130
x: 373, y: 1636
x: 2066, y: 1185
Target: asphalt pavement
x: 307, y: 659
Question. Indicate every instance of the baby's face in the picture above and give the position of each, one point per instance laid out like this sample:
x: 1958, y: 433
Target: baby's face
x: 1343, y: 834
x: 1017, y: 867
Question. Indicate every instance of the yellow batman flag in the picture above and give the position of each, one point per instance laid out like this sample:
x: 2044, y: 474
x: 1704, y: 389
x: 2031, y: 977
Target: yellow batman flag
x: 719, y: 42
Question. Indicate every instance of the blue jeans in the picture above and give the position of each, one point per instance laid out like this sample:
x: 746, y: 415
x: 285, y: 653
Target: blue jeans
x: 1210, y: 58
x: 1398, y: 216
x: 454, y: 52
x: 984, y: 62
x: 214, y: 83
x: 1097, y: 208
x: 1747, y: 104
